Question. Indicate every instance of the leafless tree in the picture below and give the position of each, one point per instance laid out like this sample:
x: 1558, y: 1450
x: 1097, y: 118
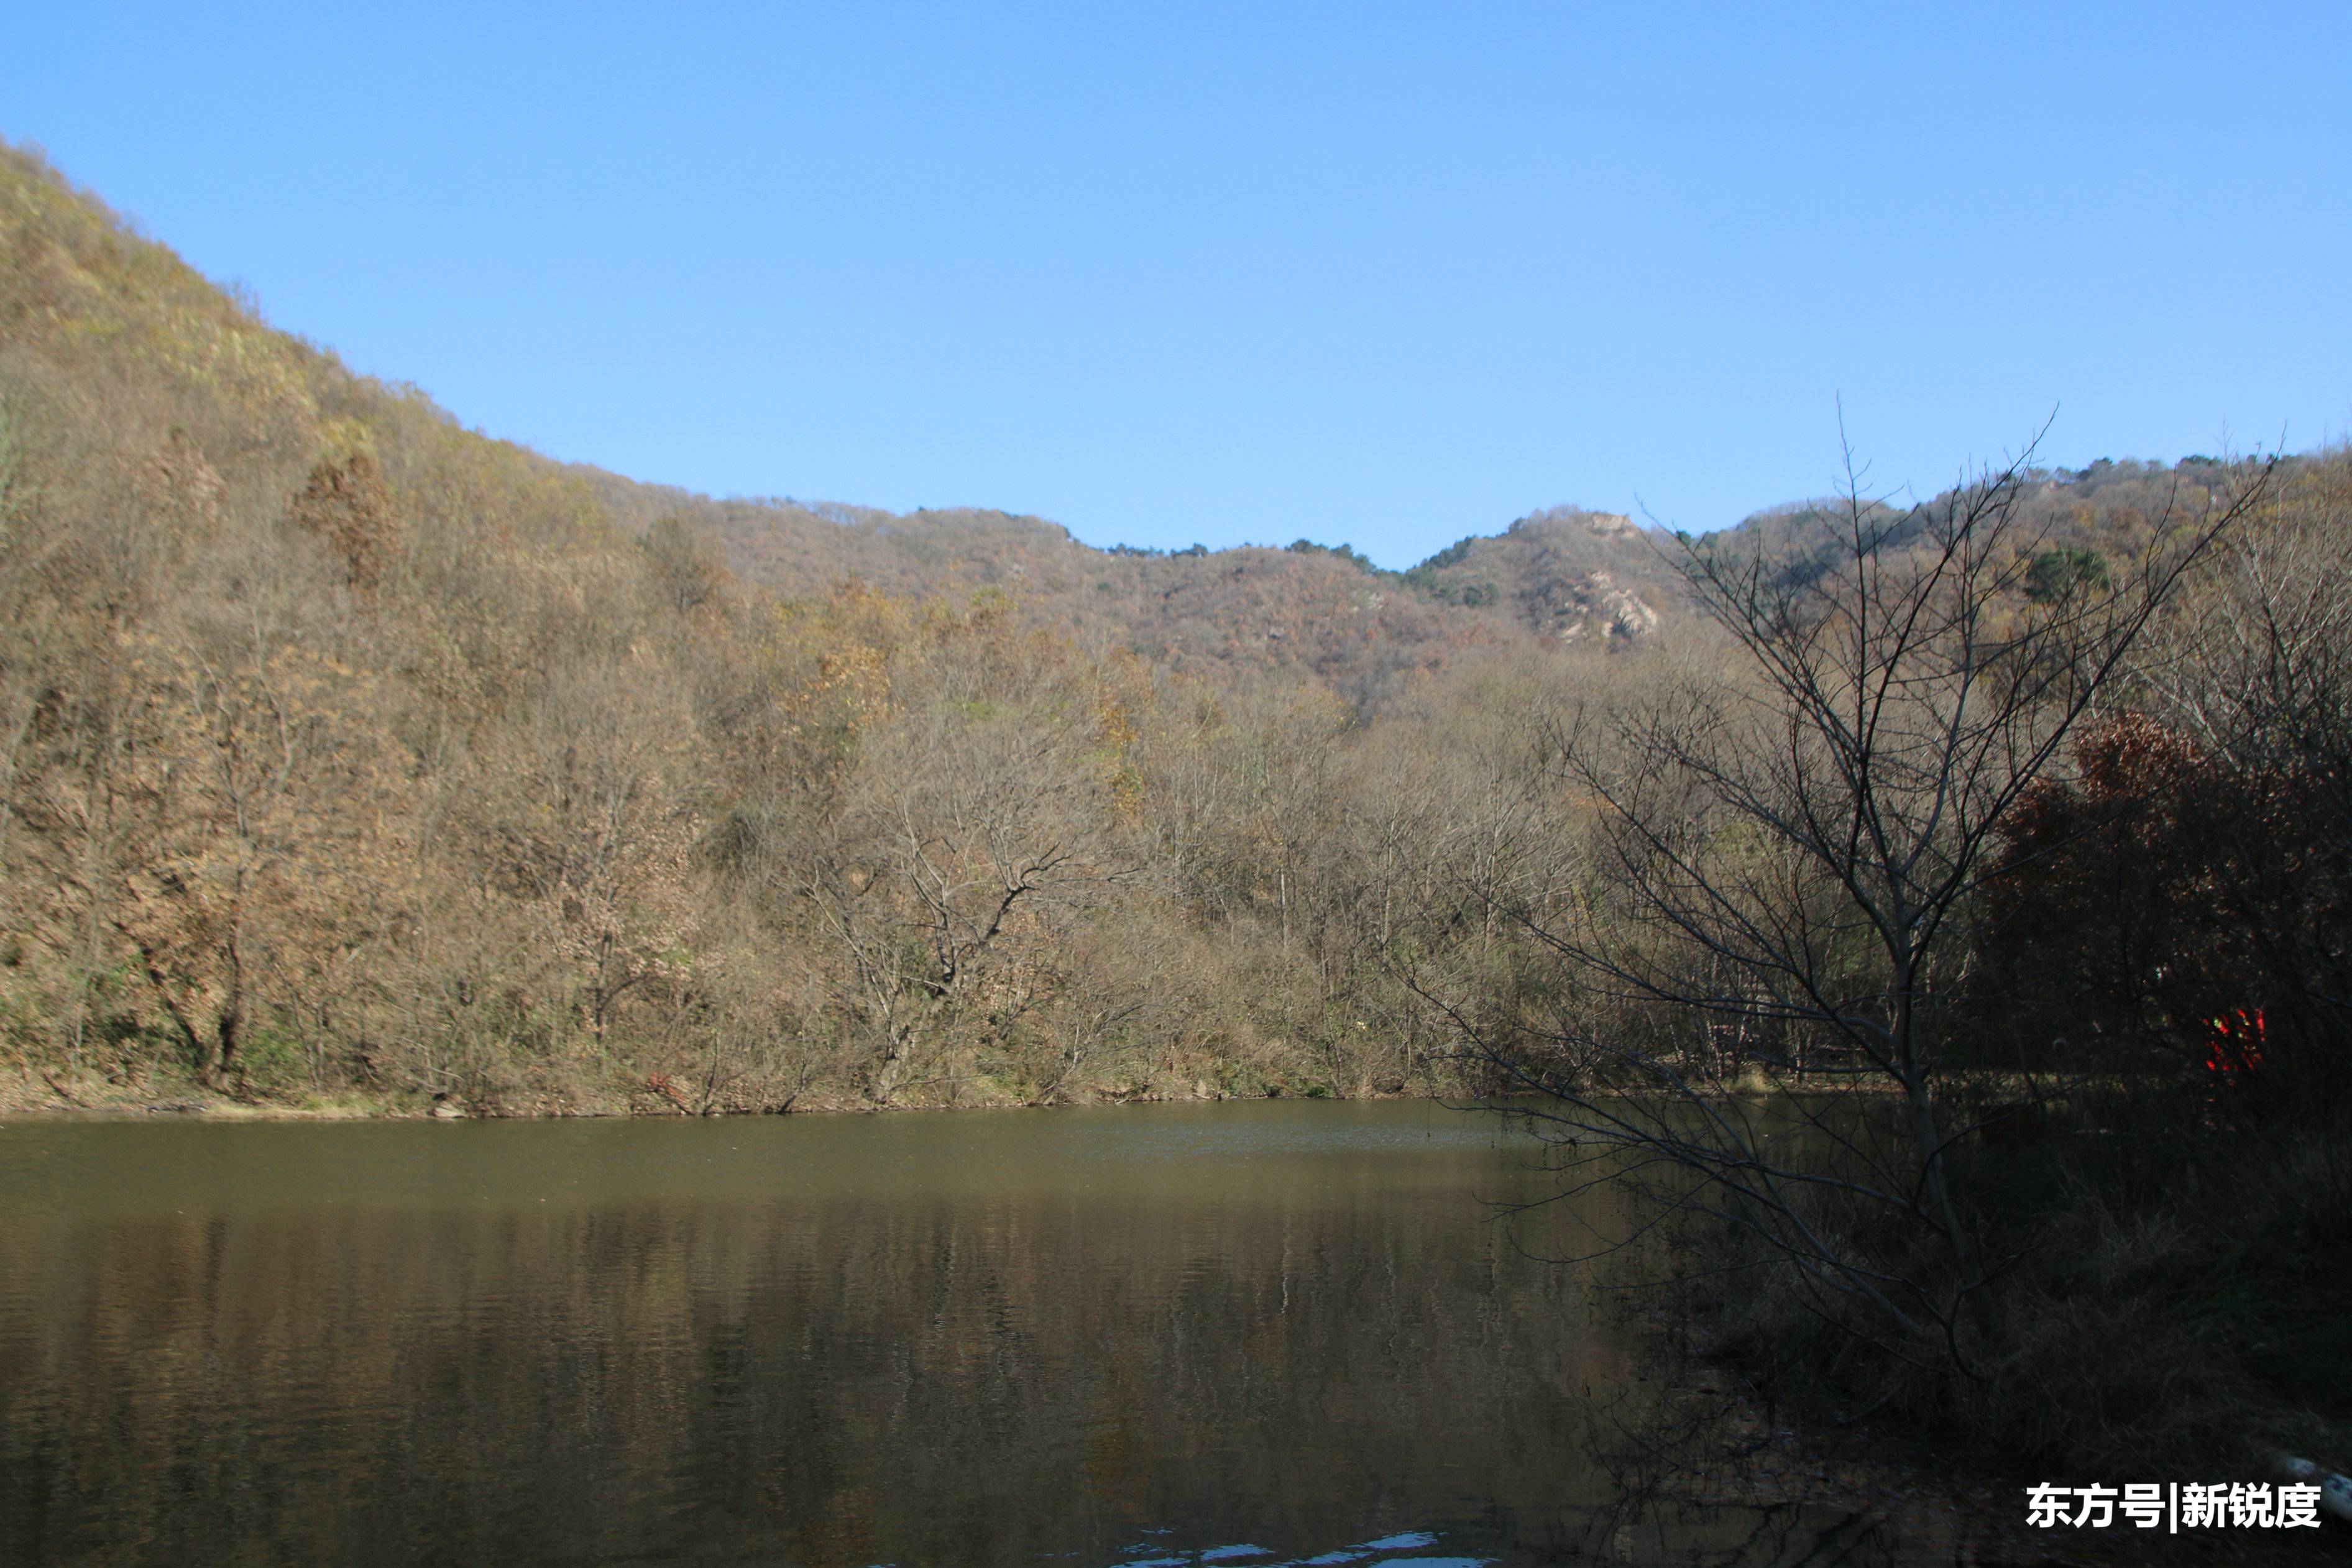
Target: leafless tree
x: 2256, y: 673
x: 1783, y: 864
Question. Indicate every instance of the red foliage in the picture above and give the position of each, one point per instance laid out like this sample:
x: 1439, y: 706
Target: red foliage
x: 2116, y: 891
x: 2235, y: 1051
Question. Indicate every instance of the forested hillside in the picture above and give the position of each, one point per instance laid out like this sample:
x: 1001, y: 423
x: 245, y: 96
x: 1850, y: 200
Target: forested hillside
x: 1303, y: 609
x: 350, y: 752
x: 1970, y: 872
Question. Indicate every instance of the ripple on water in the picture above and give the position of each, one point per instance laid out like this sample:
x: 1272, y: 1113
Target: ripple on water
x: 1365, y: 1553
x: 987, y: 1340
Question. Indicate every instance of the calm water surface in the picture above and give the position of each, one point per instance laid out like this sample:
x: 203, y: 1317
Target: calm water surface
x: 1233, y: 1333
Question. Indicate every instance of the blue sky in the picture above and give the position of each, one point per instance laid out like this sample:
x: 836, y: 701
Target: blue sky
x: 1378, y: 273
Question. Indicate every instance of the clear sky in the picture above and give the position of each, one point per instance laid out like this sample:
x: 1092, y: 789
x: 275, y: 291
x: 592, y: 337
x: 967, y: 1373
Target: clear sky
x: 1376, y: 274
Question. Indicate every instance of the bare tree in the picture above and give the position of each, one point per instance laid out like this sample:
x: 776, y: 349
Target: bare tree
x: 1784, y: 863
x: 2252, y: 677
x: 977, y: 823
x: 256, y: 790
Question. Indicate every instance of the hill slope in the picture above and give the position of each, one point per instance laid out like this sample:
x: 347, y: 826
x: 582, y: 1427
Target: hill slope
x: 346, y: 750
x: 349, y: 751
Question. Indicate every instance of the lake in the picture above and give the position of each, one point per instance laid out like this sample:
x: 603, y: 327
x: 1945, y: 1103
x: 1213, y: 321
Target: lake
x: 1247, y: 1333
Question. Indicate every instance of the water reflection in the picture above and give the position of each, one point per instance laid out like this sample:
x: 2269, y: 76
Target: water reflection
x: 1240, y: 1335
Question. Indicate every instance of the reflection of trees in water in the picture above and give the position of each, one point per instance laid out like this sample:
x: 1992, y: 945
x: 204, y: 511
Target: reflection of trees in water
x: 962, y: 1381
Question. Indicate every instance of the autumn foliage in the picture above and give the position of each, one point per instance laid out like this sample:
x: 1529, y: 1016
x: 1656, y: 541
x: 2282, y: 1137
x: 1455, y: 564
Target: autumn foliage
x: 2175, y: 914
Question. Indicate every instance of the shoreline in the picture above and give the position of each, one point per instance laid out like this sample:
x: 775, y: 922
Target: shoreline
x: 216, y: 1105
x: 34, y: 1095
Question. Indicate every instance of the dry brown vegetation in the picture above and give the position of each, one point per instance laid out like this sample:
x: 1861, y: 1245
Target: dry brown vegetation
x: 346, y: 753
x: 353, y: 753
x: 1962, y: 962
